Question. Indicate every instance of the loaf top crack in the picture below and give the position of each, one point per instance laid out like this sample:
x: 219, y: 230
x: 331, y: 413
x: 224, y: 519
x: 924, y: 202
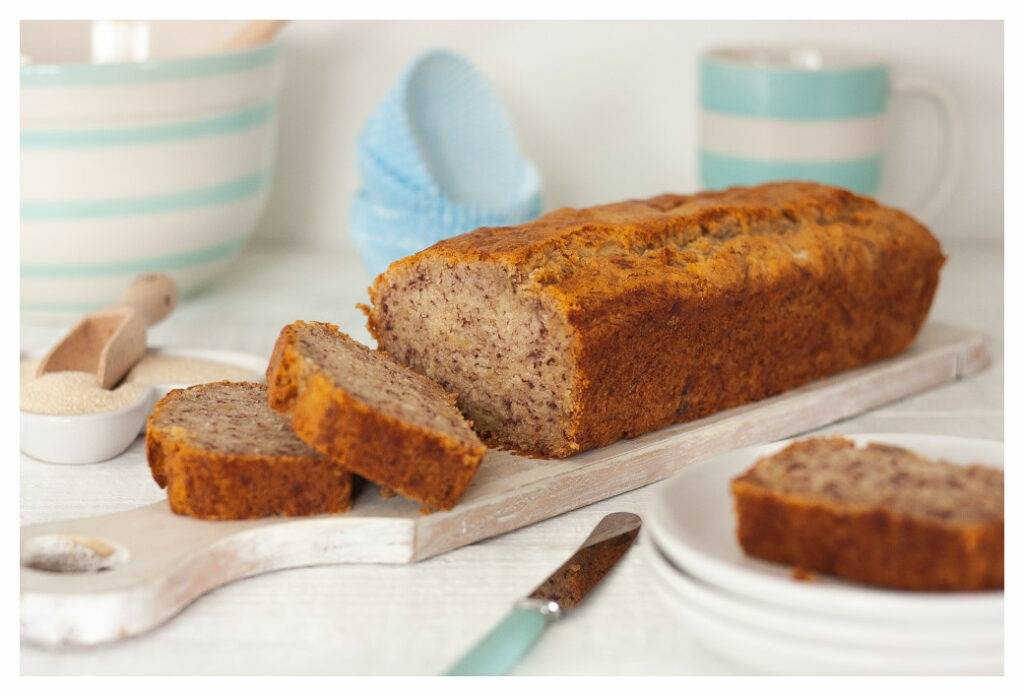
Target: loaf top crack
x: 706, y: 242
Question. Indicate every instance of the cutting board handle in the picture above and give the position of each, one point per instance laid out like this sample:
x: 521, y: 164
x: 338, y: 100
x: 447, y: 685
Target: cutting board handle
x: 98, y: 579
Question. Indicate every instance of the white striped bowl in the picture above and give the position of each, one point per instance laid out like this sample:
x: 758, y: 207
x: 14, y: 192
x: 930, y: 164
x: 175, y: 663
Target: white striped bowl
x: 162, y: 165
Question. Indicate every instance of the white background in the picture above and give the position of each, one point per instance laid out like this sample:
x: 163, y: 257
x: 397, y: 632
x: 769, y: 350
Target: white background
x: 609, y: 109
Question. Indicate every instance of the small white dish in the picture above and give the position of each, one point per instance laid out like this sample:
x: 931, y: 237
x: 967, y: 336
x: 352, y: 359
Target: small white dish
x: 777, y: 652
x: 693, y: 521
x: 97, y: 437
x: 878, y: 634
x: 86, y: 438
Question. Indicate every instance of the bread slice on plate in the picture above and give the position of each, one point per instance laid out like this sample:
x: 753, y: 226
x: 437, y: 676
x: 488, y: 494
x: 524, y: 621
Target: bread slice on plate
x: 877, y: 514
x: 223, y: 454
x: 377, y: 418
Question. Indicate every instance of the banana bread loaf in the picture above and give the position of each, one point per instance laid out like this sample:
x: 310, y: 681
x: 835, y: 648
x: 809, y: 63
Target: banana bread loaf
x: 377, y: 418
x: 878, y: 514
x: 588, y: 326
x: 222, y: 454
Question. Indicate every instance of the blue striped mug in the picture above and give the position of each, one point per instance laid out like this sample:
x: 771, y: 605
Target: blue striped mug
x: 803, y: 113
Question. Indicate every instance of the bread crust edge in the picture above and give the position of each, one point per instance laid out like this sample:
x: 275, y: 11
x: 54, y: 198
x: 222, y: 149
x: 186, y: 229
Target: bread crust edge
x: 365, y: 440
x: 869, y: 545
x: 219, y: 486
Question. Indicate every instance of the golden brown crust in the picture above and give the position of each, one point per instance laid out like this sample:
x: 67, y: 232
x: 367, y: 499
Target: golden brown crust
x: 682, y: 306
x: 424, y: 465
x: 220, y: 486
x: 872, y: 545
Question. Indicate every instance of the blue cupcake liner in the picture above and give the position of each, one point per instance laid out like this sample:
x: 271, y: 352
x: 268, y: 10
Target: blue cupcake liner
x: 388, y: 133
x: 429, y: 224
x: 442, y: 131
x: 389, y: 190
x: 382, y: 233
x: 389, y: 184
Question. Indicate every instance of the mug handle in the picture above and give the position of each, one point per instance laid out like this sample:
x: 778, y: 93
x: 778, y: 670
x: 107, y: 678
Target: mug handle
x: 940, y: 186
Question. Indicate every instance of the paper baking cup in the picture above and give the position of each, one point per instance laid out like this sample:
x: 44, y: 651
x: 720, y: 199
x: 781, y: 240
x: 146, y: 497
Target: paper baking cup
x: 383, y: 234
x: 388, y: 135
x: 391, y: 190
x: 436, y: 221
x: 389, y: 185
x: 442, y: 130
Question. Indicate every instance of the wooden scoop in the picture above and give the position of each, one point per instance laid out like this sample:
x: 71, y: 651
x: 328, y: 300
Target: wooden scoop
x: 110, y: 341
x: 254, y: 33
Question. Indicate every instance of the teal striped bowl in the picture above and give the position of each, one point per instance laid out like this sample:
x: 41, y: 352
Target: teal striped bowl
x: 162, y: 165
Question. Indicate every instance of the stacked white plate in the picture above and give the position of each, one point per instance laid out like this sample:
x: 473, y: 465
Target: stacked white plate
x: 758, y: 615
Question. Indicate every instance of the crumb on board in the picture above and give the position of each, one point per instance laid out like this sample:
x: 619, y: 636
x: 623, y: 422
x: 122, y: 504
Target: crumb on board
x: 387, y: 492
x: 803, y: 575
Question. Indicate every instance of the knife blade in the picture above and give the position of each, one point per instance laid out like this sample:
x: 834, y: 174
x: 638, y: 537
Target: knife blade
x: 560, y: 593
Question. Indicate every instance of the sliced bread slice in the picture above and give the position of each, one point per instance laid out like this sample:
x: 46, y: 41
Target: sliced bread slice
x: 377, y: 418
x: 877, y: 514
x: 223, y: 454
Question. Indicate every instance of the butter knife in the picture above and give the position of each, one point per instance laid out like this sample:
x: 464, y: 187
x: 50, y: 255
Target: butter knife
x: 509, y: 641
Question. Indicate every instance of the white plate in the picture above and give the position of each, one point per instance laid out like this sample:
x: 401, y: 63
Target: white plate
x: 776, y: 652
x: 962, y: 637
x: 693, y: 522
x: 257, y: 364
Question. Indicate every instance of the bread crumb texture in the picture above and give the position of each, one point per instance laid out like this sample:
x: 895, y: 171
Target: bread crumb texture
x: 591, y: 325
x: 223, y: 454
x: 878, y: 514
x: 375, y: 417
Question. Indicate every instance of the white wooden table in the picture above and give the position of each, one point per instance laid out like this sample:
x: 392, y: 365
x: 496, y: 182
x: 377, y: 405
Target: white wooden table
x: 376, y: 619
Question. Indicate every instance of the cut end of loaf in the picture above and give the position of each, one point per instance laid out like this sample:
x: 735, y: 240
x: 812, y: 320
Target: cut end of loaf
x: 228, y: 418
x: 504, y: 353
x: 368, y: 376
x: 223, y: 454
x: 376, y: 417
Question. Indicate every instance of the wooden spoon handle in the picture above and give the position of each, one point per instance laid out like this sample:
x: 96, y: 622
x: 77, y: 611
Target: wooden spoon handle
x: 254, y: 33
x: 152, y: 295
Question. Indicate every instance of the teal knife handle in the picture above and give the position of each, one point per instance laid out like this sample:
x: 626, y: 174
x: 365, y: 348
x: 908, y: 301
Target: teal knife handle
x: 506, y: 644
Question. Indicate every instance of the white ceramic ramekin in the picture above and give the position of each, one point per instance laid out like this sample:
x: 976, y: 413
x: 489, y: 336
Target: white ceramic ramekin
x: 97, y: 437
x: 84, y: 439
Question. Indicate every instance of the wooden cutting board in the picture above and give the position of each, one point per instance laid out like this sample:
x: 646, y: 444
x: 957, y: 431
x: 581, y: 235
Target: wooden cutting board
x: 125, y: 573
